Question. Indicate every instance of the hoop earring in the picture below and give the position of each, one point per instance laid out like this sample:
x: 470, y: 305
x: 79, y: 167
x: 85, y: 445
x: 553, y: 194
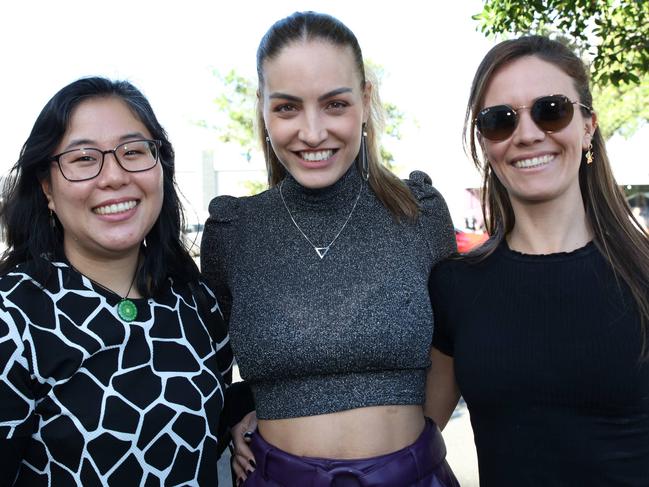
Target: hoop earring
x: 365, y: 167
x: 589, y: 154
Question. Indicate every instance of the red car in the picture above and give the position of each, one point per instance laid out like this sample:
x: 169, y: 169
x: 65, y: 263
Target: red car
x: 467, y: 240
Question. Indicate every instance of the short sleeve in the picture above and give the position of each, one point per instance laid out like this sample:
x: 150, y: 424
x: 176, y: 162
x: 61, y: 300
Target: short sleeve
x: 435, y: 219
x: 440, y: 287
x: 219, y: 229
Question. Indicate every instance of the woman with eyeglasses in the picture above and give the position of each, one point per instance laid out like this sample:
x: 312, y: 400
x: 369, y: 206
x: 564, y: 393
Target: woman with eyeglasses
x: 324, y: 278
x: 545, y: 327
x: 112, y: 358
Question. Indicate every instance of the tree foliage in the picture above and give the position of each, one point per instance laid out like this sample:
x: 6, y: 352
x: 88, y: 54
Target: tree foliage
x: 622, y: 109
x: 615, y: 33
x: 237, y: 102
x: 612, y: 35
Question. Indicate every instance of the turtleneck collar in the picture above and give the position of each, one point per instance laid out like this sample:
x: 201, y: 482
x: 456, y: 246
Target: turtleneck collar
x: 339, y: 193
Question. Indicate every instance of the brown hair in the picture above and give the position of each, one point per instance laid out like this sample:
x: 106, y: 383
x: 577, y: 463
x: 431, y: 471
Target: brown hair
x: 305, y: 26
x: 617, y: 233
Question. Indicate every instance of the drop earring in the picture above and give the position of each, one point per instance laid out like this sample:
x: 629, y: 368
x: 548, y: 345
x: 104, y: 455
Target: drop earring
x: 365, y: 167
x: 589, y: 154
x: 269, y: 165
x: 52, y: 220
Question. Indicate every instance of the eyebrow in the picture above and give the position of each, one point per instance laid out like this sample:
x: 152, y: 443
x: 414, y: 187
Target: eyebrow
x: 329, y: 94
x: 90, y: 142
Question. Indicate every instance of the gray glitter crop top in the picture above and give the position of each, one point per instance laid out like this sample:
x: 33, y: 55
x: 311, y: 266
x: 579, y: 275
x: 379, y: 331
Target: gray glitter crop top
x: 315, y: 336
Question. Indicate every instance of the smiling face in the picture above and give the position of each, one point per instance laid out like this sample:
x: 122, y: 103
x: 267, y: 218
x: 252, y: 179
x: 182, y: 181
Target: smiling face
x: 314, y: 107
x: 535, y: 166
x: 109, y: 215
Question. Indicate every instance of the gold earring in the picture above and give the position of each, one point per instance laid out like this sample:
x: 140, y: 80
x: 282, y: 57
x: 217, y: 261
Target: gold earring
x: 589, y: 154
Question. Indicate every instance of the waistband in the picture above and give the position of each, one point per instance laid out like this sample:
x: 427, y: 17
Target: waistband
x: 403, y: 467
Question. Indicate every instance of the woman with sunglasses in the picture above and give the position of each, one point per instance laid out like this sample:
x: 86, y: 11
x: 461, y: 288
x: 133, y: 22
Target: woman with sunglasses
x: 551, y: 355
x: 324, y: 278
x: 112, y: 363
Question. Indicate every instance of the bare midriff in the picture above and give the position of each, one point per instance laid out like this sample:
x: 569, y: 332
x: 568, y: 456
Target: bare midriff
x: 352, y: 434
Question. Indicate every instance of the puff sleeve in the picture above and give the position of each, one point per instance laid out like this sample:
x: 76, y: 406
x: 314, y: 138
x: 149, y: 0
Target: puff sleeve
x: 434, y: 220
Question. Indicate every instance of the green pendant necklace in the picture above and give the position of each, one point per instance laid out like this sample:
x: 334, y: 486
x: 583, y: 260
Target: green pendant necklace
x: 126, y: 308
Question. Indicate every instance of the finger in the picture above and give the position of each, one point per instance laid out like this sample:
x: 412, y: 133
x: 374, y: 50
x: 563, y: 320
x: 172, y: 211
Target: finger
x: 246, y: 464
x: 239, y: 472
x: 246, y: 453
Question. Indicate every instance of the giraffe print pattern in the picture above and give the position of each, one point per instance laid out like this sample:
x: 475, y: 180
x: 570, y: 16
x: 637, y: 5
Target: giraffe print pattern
x: 102, y: 401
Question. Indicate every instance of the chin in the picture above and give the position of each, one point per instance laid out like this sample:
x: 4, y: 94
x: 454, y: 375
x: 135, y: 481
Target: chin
x: 319, y: 179
x: 315, y: 181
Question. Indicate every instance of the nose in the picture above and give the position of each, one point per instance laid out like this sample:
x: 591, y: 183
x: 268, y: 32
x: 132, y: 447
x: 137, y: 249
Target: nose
x: 313, y: 131
x: 112, y: 174
x: 527, y: 132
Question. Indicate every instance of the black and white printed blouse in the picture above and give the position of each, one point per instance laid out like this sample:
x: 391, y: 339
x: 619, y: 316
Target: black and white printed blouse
x: 93, y: 400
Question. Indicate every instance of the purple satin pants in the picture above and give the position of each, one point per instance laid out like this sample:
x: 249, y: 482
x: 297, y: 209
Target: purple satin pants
x: 421, y: 464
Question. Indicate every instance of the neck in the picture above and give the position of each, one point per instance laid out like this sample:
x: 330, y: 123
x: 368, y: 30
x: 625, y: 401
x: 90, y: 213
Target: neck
x: 338, y: 194
x: 116, y: 274
x: 549, y: 227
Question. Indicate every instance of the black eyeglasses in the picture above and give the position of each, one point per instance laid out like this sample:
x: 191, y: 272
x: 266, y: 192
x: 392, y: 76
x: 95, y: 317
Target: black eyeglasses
x: 132, y: 156
x: 550, y: 113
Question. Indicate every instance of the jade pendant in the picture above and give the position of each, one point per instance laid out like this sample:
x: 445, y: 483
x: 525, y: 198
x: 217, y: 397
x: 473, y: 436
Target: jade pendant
x: 127, y: 310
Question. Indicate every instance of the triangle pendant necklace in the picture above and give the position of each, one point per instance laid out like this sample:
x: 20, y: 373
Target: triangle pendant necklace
x: 321, y: 251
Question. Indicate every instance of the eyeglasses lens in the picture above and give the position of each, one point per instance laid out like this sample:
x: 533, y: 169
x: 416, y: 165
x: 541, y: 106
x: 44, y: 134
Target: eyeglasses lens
x: 552, y: 113
x: 137, y: 156
x: 497, y: 123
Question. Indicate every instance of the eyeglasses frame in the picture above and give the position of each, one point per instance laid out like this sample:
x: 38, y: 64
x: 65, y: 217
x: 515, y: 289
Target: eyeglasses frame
x: 515, y: 110
x: 156, y: 142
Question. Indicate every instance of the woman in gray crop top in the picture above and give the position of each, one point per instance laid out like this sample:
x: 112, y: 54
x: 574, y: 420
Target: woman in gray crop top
x: 323, y: 278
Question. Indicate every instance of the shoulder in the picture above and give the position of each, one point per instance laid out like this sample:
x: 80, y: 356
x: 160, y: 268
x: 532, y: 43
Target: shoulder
x: 434, y: 218
x: 227, y: 209
x: 24, y: 276
x: 421, y: 187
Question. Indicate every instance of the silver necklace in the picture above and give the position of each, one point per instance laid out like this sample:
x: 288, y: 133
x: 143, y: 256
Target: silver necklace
x: 321, y: 251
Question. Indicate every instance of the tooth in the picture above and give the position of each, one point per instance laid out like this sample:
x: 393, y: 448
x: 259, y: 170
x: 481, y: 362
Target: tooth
x: 115, y: 208
x: 534, y: 161
x: 316, y: 156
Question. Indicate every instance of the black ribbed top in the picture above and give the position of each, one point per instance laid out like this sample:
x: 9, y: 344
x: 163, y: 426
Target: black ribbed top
x: 546, y: 351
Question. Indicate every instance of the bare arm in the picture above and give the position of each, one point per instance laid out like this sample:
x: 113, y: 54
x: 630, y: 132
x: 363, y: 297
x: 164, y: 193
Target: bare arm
x: 442, y: 392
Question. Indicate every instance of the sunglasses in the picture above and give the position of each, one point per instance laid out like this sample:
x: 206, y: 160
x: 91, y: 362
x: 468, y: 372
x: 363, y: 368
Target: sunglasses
x: 550, y: 113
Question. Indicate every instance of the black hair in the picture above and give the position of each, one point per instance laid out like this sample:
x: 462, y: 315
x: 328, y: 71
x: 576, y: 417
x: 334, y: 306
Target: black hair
x: 31, y: 233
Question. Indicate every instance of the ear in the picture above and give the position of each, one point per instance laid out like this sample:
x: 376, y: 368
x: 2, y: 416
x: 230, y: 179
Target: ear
x: 46, y: 186
x: 367, y: 101
x: 590, y: 127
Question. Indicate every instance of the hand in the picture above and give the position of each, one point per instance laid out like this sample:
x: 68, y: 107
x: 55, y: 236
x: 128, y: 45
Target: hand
x: 243, y: 461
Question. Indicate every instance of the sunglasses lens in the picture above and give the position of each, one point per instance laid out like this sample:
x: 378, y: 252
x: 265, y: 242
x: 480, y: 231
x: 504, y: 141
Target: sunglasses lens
x: 552, y: 113
x: 496, y: 123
